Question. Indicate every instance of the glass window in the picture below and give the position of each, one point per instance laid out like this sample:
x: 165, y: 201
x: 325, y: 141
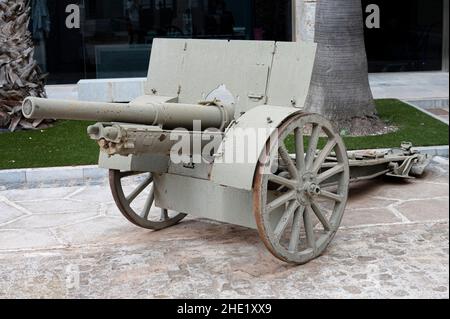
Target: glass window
x: 116, y: 36
x: 410, y: 37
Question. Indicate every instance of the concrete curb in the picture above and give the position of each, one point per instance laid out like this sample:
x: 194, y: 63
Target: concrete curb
x: 424, y: 110
x: 91, y: 174
x: 51, y: 176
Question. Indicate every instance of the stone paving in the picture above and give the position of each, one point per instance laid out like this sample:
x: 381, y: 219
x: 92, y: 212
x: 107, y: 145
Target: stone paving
x: 438, y: 108
x: 71, y: 242
x: 409, y: 85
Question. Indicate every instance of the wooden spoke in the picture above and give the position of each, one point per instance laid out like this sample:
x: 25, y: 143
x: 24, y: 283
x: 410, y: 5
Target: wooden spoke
x: 164, y: 214
x: 284, y: 154
x: 129, y: 174
x: 322, y: 218
x: 287, y: 205
x: 332, y: 196
x: 286, y: 176
x: 140, y: 214
x: 148, y: 203
x: 309, y: 227
x: 330, y: 173
x: 299, y: 150
x: 323, y: 155
x: 282, y: 224
x: 139, y: 189
x: 312, y: 147
x: 280, y: 201
x: 296, y: 226
x: 283, y: 181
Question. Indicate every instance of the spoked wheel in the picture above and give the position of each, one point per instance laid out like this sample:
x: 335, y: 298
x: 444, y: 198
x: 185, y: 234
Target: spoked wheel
x: 299, y: 203
x: 138, y: 207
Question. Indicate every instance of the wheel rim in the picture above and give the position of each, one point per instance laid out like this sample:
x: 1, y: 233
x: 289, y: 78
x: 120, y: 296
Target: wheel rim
x: 299, y: 204
x: 138, y: 205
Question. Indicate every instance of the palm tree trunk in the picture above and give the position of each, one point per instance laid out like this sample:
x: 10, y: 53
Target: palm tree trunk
x: 20, y: 76
x: 340, y: 87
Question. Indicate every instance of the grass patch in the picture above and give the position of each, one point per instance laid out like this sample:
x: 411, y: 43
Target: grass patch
x: 67, y: 144
x: 413, y: 126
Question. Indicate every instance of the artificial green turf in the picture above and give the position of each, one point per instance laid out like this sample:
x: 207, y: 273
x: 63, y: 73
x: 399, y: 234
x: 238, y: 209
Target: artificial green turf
x: 64, y: 144
x: 67, y: 143
x: 413, y: 126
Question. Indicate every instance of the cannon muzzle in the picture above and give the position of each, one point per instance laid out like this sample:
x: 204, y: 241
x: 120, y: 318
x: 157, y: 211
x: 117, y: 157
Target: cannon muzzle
x: 144, y: 111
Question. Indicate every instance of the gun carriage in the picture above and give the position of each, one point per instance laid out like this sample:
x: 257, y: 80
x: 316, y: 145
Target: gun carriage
x: 215, y: 95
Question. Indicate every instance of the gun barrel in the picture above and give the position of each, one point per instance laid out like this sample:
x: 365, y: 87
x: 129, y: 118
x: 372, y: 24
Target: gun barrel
x: 168, y: 115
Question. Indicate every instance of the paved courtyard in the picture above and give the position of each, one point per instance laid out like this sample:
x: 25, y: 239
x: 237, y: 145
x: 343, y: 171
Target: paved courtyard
x: 71, y: 242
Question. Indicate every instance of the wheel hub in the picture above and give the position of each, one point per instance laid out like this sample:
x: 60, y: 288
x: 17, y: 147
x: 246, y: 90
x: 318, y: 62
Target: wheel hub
x: 308, y: 189
x: 312, y: 189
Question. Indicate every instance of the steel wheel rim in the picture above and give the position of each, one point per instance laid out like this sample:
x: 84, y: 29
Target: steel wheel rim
x: 302, y: 187
x: 124, y: 202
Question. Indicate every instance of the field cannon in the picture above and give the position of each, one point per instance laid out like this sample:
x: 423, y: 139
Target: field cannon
x: 221, y: 133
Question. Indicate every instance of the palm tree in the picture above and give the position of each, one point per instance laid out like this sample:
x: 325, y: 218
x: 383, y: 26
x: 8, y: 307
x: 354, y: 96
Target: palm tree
x: 20, y: 76
x: 340, y: 87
